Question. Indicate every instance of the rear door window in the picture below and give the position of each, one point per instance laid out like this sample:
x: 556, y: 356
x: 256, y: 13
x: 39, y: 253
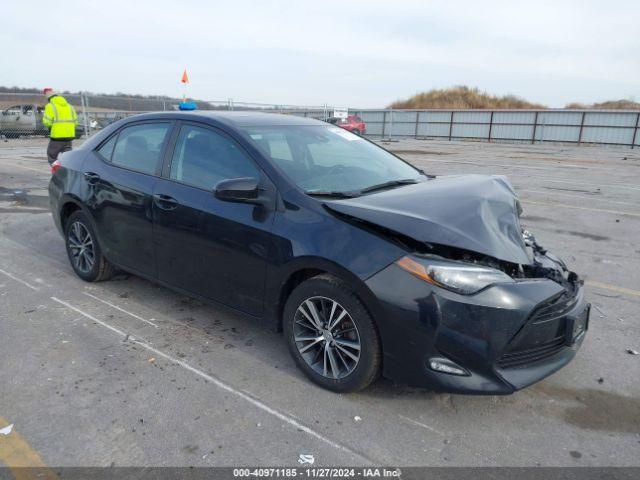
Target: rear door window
x: 139, y: 147
x: 106, y: 149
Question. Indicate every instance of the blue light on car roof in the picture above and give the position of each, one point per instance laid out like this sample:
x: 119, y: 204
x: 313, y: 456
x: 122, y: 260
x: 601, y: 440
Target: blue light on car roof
x: 187, y: 106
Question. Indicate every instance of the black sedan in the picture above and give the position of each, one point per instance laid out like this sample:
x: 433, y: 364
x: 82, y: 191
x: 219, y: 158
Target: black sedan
x: 368, y: 265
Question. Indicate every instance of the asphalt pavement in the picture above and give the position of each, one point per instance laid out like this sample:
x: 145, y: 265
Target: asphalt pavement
x: 128, y: 373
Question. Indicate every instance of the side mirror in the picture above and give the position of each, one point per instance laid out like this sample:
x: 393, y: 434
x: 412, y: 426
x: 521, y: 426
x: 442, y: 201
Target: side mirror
x: 244, y: 190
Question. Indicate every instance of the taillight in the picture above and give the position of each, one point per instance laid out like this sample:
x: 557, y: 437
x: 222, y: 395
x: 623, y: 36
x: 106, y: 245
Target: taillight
x: 55, y: 166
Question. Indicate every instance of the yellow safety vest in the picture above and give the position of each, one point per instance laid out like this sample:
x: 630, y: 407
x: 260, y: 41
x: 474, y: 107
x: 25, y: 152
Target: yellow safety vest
x: 61, y: 118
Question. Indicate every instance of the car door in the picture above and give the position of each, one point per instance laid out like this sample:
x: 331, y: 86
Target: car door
x: 213, y: 248
x: 120, y: 176
x: 11, y: 120
x: 28, y: 119
x: 40, y: 128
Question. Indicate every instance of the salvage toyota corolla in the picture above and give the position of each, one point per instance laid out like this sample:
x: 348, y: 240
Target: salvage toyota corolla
x: 369, y: 265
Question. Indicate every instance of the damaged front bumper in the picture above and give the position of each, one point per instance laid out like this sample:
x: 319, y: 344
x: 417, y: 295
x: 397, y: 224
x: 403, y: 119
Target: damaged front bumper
x: 502, y: 339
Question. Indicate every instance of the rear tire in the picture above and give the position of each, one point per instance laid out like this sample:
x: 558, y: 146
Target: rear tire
x: 83, y: 250
x: 356, y: 131
x: 344, y: 356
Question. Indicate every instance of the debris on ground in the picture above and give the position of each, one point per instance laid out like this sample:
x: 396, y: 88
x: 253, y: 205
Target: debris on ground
x: 632, y: 352
x: 6, y: 430
x: 601, y: 380
x: 152, y: 360
x: 357, y: 418
x: 20, y: 196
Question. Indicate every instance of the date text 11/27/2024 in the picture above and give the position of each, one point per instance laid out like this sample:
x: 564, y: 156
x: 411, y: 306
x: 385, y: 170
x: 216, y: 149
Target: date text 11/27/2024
x: 318, y: 472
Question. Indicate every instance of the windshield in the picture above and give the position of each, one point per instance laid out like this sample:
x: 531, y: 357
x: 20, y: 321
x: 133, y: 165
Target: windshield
x: 327, y: 159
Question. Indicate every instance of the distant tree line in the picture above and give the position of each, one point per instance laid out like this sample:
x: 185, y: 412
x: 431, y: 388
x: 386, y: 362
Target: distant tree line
x: 117, y: 101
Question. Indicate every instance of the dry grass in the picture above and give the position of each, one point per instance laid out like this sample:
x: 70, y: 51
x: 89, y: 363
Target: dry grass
x: 463, y: 97
x: 608, y: 105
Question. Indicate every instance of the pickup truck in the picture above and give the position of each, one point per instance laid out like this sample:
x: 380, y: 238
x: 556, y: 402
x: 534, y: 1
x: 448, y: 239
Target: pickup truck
x: 26, y: 120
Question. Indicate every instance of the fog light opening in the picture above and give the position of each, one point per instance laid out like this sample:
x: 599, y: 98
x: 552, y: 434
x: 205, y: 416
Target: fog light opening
x: 444, y: 365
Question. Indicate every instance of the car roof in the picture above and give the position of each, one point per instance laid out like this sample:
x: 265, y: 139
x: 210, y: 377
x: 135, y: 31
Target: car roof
x: 233, y: 119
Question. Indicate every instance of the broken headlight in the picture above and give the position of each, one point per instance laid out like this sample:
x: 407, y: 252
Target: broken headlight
x: 457, y: 277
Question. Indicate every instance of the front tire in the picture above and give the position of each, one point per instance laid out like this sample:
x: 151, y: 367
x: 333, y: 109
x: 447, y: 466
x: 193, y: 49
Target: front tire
x: 83, y: 250
x: 331, y: 335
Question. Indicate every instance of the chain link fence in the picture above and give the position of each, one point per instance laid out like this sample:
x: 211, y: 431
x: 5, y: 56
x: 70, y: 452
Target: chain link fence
x: 21, y: 116
x: 21, y: 112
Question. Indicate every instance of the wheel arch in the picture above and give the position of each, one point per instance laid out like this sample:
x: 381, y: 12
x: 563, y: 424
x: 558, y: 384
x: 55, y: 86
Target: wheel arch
x: 69, y: 204
x: 304, y: 268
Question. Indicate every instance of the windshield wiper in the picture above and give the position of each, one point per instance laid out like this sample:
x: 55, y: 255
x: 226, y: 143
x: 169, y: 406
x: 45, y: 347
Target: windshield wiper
x: 392, y: 183
x: 318, y: 193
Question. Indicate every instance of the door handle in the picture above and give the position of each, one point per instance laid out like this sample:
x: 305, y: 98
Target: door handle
x: 165, y: 202
x: 91, y: 177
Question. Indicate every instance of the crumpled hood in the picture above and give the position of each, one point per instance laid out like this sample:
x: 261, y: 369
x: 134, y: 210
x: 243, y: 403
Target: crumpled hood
x: 58, y: 100
x: 472, y: 212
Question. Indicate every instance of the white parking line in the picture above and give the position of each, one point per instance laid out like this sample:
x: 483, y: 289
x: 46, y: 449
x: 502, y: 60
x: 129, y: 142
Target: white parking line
x: 528, y: 176
x: 573, y: 182
x: 590, y: 198
x: 576, y: 207
x: 18, y: 280
x: 120, y: 309
x: 423, y: 425
x: 220, y: 384
x: 503, y: 165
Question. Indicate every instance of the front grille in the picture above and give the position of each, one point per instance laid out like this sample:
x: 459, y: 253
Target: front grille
x: 543, y: 336
x: 554, y: 308
x: 524, y: 357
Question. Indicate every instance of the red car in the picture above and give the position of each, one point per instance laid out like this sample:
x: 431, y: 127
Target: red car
x: 353, y: 123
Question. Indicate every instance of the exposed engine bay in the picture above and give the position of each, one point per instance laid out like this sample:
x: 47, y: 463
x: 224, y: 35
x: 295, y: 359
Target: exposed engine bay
x: 543, y: 263
x: 467, y: 218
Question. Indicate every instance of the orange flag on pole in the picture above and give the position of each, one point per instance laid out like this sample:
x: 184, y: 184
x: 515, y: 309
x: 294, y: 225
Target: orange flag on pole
x: 185, y: 77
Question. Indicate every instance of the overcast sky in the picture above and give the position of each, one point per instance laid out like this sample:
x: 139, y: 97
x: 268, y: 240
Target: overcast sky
x: 344, y: 53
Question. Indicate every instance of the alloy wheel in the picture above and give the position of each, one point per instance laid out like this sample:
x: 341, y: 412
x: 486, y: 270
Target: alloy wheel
x: 81, y: 247
x: 327, y: 337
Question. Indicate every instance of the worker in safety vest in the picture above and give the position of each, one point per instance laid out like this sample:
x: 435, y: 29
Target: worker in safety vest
x: 60, y: 118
